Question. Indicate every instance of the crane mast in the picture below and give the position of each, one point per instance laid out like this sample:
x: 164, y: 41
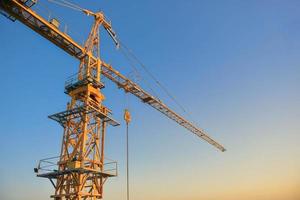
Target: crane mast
x: 81, y: 172
x: 81, y: 167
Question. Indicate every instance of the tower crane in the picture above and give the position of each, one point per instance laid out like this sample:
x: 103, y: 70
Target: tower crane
x: 81, y: 169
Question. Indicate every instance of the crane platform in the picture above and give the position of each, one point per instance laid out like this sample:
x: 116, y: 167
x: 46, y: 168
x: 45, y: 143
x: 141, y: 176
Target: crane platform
x: 74, y: 82
x: 48, y: 168
x: 63, y: 117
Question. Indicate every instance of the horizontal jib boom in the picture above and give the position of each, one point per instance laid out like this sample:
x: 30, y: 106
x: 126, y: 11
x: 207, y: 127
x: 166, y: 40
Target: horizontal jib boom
x: 134, y: 89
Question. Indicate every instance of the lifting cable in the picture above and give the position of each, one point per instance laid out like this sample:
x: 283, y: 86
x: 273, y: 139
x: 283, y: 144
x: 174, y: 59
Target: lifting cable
x: 66, y: 4
x: 130, y: 53
x: 127, y: 118
x: 136, y: 71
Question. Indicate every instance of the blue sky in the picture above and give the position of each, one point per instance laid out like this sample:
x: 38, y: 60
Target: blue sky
x: 234, y: 65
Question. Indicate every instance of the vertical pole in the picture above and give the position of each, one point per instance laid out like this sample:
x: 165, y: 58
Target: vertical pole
x: 127, y: 159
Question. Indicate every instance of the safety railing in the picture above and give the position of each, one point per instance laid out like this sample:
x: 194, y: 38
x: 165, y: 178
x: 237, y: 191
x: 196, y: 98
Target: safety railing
x: 48, y: 165
x: 74, y: 79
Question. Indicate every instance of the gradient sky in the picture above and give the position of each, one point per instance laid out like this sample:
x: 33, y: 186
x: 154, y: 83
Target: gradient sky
x: 234, y: 65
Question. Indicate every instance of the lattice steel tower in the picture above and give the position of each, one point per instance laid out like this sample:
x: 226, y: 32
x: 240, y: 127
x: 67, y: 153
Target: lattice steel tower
x: 81, y: 173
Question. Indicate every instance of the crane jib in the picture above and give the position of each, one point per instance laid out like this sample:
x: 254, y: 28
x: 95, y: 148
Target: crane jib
x: 14, y: 9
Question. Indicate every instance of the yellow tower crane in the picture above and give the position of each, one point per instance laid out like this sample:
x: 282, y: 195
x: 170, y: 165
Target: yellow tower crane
x: 81, y: 169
